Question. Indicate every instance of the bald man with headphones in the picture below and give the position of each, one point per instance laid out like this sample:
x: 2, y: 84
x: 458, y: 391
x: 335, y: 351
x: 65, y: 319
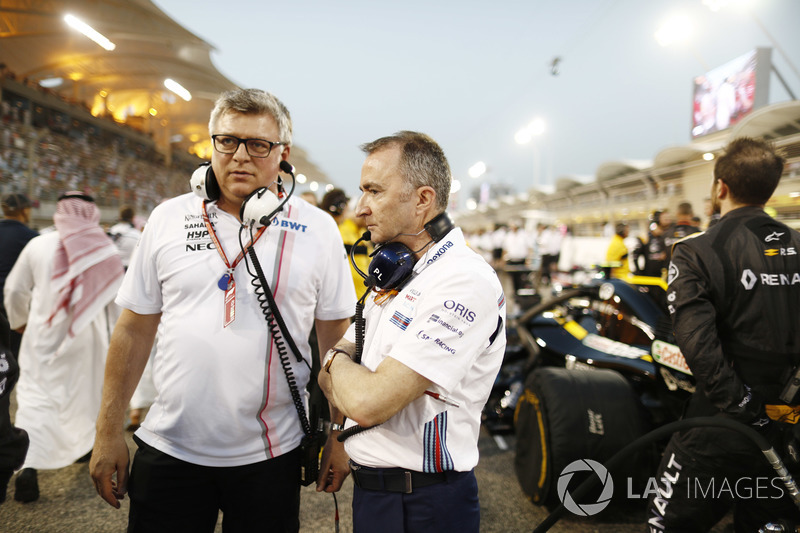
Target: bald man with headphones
x: 432, y: 343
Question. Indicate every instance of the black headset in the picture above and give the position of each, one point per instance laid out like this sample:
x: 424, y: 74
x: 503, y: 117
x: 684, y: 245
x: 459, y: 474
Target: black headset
x: 258, y: 208
x: 392, y: 263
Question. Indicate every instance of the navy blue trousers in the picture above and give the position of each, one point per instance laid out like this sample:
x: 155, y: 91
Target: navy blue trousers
x: 450, y: 506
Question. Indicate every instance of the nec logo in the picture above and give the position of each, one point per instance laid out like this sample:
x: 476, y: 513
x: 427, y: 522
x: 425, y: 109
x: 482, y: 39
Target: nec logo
x: 460, y: 310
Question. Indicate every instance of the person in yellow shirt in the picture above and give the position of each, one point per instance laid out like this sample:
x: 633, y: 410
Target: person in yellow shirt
x: 618, y: 252
x: 335, y: 204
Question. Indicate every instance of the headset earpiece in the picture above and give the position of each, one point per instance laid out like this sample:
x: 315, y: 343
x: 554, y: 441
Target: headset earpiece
x: 391, y: 267
x: 204, y: 182
x: 259, y: 207
x: 439, y: 226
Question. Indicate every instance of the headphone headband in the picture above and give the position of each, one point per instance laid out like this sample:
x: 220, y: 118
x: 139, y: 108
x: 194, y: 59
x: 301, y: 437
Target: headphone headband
x: 77, y: 196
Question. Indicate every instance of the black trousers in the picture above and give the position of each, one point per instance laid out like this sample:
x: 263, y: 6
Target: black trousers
x: 169, y: 495
x: 707, y: 471
x: 13, y: 440
x: 517, y: 278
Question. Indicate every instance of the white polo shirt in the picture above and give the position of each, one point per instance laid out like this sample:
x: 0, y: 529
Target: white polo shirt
x: 222, y: 396
x: 440, y: 326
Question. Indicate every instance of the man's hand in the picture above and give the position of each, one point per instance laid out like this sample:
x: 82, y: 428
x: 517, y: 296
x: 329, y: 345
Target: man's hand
x: 110, y: 456
x: 334, y: 467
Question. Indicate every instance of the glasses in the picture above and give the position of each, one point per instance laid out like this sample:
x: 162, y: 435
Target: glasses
x: 228, y: 144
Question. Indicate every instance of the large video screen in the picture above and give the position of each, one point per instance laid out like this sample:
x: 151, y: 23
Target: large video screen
x: 725, y: 95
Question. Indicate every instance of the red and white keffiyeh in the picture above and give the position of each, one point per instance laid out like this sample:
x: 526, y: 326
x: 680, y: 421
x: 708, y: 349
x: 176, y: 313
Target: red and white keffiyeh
x: 87, y: 270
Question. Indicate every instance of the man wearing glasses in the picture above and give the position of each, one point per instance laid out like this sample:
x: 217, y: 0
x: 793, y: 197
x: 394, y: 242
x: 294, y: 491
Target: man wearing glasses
x: 223, y: 433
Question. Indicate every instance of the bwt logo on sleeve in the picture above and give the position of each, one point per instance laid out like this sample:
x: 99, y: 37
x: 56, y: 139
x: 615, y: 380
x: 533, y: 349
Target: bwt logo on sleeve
x: 460, y: 310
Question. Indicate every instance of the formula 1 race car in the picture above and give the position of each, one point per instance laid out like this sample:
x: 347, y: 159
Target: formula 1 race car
x: 585, y: 373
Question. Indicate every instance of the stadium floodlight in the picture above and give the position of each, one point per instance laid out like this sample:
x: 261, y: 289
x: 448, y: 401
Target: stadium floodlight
x: 51, y: 83
x: 677, y: 28
x: 177, y: 88
x: 526, y: 134
x: 477, y: 170
x: 76, y: 23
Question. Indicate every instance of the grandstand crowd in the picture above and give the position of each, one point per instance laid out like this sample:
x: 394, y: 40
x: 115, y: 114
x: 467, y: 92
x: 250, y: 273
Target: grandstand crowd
x: 44, y: 152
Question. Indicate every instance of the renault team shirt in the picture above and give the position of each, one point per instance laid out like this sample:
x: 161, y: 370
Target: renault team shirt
x: 223, y: 399
x: 440, y: 325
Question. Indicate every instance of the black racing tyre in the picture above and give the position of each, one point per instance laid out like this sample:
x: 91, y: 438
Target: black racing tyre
x: 566, y: 415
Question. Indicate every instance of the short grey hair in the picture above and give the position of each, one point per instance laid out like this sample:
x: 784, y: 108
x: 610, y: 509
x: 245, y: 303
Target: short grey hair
x: 253, y: 102
x: 422, y: 162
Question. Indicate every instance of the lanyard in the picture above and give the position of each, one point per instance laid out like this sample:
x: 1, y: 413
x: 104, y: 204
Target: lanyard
x: 227, y: 282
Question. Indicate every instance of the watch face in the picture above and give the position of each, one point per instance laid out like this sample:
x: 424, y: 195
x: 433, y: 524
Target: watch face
x: 326, y: 363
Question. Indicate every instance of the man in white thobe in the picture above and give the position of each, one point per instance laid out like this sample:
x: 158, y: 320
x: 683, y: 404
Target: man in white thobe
x: 56, y: 295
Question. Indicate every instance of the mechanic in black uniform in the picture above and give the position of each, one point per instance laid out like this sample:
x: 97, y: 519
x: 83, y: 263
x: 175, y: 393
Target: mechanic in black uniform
x: 656, y: 248
x: 734, y: 298
x: 682, y: 227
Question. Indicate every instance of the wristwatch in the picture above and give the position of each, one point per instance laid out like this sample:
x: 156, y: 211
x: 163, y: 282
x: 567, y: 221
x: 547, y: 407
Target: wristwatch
x: 328, y: 360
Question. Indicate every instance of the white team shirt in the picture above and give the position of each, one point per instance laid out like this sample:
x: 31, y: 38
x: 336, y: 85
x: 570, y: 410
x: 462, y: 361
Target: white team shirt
x: 439, y: 325
x: 125, y: 238
x: 516, y: 245
x: 223, y: 398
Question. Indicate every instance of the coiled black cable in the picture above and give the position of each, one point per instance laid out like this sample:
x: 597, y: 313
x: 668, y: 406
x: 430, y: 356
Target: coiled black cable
x: 277, y: 330
x: 360, y: 327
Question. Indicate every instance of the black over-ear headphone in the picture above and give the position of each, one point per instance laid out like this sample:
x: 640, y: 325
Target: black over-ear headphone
x: 258, y: 208
x: 392, y: 263
x: 439, y: 226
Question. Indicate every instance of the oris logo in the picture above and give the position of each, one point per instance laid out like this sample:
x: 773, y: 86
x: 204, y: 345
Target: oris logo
x: 460, y: 310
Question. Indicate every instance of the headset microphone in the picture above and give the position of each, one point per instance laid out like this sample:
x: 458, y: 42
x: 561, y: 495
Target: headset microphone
x: 368, y: 281
x: 287, y: 167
